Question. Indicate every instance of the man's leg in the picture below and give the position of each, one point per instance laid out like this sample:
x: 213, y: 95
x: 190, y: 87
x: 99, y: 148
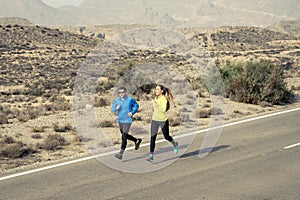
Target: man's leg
x: 122, y: 127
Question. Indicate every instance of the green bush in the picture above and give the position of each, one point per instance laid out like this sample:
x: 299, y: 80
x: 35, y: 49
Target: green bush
x: 256, y: 83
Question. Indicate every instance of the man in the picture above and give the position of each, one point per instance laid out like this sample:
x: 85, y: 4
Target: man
x: 126, y: 107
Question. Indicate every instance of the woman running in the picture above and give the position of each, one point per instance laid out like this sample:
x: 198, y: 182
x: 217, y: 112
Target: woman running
x: 161, y: 104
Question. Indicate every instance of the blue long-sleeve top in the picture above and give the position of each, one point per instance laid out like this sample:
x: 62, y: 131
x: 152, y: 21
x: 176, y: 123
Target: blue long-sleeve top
x: 128, y: 104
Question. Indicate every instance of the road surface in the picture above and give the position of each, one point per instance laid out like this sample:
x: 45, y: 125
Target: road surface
x: 257, y: 160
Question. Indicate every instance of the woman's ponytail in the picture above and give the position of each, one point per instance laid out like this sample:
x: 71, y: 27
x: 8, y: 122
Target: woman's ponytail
x: 168, y: 93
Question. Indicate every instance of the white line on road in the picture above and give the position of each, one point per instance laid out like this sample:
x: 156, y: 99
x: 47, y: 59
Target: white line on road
x: 291, y: 146
x: 108, y: 153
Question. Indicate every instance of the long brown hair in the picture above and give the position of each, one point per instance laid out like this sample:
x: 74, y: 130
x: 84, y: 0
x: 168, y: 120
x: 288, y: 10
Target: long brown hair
x: 167, y: 93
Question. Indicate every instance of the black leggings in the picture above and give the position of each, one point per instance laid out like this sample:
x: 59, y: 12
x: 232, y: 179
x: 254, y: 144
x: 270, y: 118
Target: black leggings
x: 124, y: 128
x: 154, y: 129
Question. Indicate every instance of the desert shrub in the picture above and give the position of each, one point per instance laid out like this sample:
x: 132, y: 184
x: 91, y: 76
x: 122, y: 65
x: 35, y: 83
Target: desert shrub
x: 53, y: 142
x: 63, y: 128
x: 28, y: 113
x: 3, y: 119
x: 37, y: 129
x: 64, y: 106
x: 116, y: 142
x: 36, y: 136
x: 138, y: 117
x: 100, y: 102
x: 104, y: 86
x: 16, y: 150
x: 34, y: 112
x: 61, y: 103
x: 176, y: 121
x: 121, y: 70
x: 256, y: 82
x: 58, y: 84
x: 216, y: 111
x: 214, y: 83
x: 36, y: 89
x: 204, y: 113
x: 9, y: 140
x: 77, y: 139
x: 22, y: 115
x: 196, y: 83
x: 106, y: 123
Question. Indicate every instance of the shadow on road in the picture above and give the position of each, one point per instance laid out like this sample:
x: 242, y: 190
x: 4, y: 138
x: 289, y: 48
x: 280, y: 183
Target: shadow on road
x: 205, y: 150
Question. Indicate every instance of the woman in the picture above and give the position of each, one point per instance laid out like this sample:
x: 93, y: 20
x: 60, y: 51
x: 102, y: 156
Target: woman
x: 161, y: 104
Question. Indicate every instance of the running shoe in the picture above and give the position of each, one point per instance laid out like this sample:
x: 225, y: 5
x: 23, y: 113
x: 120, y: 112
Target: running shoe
x: 137, y: 144
x: 176, y: 148
x: 149, y: 158
x: 119, y: 156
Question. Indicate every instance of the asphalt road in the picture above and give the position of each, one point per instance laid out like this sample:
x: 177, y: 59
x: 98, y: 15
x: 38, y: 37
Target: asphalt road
x: 249, y: 161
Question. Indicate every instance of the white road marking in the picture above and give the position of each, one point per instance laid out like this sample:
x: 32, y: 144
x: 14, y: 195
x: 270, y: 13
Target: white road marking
x: 291, y: 146
x: 188, y: 134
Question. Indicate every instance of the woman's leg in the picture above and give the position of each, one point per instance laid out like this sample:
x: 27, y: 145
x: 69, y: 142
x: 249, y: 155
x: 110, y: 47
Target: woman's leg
x: 154, y: 130
x: 166, y: 132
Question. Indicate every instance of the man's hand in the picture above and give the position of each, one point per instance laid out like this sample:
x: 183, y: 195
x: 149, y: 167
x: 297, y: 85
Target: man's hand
x: 130, y: 114
x: 154, y: 102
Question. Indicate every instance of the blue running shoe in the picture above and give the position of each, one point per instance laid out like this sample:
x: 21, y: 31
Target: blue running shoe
x: 149, y: 158
x: 176, y: 148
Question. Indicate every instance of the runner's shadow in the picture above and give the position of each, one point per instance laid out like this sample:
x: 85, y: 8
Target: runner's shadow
x: 159, y: 151
x: 170, y: 148
x: 165, y: 160
x: 205, y: 150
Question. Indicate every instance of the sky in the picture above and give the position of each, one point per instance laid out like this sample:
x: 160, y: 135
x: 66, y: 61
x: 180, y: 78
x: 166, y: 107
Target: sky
x: 57, y: 3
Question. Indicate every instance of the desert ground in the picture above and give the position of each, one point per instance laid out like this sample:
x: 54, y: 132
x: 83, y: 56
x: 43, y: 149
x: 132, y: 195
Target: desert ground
x: 39, y: 65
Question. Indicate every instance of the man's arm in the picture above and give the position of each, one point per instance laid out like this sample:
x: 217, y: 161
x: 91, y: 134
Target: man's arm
x: 134, y: 105
x: 115, y: 106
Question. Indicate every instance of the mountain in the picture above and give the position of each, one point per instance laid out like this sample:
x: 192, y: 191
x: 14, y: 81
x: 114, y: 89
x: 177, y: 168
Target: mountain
x: 179, y: 13
x: 285, y: 9
x: 36, y: 11
x: 208, y: 13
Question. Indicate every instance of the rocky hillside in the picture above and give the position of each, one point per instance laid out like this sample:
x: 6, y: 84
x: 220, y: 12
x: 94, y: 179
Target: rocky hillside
x: 290, y: 27
x: 35, y: 11
x: 39, y: 62
x: 33, y: 56
x: 246, y: 43
x: 15, y: 20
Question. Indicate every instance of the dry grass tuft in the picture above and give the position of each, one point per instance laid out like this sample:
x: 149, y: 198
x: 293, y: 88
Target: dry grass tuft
x: 53, y: 142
